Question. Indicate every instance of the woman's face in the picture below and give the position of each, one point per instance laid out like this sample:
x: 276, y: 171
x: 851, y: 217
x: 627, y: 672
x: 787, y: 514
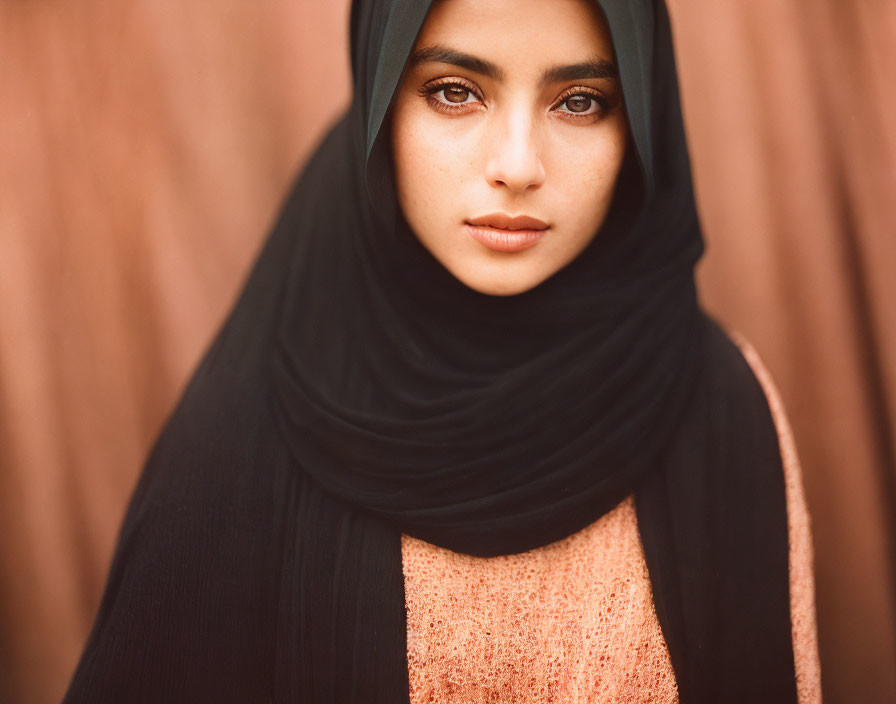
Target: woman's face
x: 508, y: 133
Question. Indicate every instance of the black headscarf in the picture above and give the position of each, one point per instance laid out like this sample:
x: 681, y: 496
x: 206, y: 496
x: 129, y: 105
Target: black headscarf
x: 358, y: 391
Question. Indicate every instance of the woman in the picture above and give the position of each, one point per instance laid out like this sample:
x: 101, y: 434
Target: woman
x: 467, y: 415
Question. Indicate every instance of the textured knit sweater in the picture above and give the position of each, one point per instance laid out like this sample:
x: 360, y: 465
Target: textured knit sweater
x: 574, y: 621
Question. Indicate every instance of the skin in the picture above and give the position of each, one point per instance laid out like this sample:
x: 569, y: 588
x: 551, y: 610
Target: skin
x: 466, y: 144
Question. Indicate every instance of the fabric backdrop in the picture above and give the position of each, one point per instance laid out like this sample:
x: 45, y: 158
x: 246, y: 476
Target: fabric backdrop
x: 144, y: 150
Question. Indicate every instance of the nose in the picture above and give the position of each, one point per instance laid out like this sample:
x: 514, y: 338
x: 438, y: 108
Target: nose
x: 514, y: 158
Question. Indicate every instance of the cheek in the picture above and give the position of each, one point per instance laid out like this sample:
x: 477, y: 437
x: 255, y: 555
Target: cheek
x: 586, y: 178
x: 430, y: 164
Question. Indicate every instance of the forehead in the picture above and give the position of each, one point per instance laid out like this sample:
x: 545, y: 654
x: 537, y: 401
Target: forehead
x: 519, y: 35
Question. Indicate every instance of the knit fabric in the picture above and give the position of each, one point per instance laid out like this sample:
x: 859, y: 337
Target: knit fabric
x: 573, y: 621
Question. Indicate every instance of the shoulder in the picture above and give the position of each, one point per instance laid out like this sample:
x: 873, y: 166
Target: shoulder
x: 773, y: 399
x: 787, y: 446
x: 736, y: 409
x: 801, y: 570
x: 727, y: 356
x: 198, y: 545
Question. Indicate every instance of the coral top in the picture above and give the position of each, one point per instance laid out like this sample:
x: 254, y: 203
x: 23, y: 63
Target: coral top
x: 574, y: 621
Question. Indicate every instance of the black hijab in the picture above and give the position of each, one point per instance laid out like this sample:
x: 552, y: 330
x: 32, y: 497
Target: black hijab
x: 358, y: 391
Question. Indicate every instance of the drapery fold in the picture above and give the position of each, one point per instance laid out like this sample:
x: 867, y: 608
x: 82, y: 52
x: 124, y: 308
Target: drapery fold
x: 805, y: 277
x: 386, y: 397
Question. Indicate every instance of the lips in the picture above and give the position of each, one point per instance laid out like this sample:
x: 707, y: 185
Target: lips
x: 507, y: 233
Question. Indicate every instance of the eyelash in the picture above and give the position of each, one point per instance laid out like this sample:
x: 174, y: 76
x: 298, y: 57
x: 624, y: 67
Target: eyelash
x: 430, y: 90
x: 600, y: 101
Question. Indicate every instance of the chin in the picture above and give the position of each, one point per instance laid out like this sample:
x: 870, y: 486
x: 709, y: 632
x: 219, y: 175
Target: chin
x: 499, y: 280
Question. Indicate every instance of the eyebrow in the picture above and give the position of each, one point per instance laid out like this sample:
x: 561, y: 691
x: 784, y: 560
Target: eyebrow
x: 596, y: 68
x: 444, y: 55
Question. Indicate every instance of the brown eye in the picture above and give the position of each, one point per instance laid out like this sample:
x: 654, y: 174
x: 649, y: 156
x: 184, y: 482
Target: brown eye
x: 456, y: 94
x: 578, y: 103
x: 452, y: 98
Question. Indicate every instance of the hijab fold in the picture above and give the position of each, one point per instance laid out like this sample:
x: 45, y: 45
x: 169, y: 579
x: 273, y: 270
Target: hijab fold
x: 363, y: 392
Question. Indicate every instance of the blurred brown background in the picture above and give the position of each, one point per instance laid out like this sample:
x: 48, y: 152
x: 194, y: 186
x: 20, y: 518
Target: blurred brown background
x: 145, y: 147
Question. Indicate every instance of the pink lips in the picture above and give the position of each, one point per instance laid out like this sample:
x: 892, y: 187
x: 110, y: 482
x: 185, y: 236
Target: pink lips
x: 504, y: 233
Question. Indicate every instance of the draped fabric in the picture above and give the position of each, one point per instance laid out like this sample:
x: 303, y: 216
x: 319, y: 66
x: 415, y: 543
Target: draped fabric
x: 396, y: 380
x: 358, y: 391
x: 163, y: 354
